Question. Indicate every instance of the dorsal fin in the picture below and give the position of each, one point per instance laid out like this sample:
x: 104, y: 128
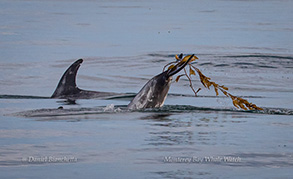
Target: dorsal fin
x: 67, y: 84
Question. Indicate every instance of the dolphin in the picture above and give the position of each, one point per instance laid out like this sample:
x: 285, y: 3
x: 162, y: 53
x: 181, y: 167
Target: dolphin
x: 154, y: 92
x: 67, y: 88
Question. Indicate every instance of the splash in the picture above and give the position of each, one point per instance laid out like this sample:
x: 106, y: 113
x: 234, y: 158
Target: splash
x: 112, y: 108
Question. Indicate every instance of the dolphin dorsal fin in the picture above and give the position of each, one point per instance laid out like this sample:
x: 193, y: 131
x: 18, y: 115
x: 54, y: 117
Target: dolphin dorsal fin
x: 67, y: 83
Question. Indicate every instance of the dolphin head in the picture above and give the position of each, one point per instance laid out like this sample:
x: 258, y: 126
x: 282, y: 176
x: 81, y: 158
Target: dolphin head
x: 155, y: 91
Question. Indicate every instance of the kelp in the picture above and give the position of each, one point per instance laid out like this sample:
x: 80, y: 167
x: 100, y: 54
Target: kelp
x: 238, y: 102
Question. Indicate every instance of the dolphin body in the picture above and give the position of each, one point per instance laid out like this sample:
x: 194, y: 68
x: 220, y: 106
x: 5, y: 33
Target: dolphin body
x: 152, y: 95
x: 155, y: 91
x: 67, y: 88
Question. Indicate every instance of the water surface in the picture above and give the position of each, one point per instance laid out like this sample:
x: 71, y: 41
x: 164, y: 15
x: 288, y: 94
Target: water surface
x: 244, y: 45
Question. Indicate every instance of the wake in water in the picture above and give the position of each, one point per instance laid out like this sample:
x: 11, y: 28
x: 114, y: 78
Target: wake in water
x: 22, y: 97
x: 110, y: 109
x: 251, y: 61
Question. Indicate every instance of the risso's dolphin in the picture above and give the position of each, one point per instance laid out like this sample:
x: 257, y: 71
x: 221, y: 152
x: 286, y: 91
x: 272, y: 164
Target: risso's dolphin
x: 155, y: 91
x: 67, y: 88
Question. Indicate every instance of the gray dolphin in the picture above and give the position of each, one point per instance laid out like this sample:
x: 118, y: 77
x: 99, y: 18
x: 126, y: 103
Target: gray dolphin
x: 155, y: 91
x: 67, y: 88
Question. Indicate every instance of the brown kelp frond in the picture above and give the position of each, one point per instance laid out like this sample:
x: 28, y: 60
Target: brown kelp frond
x: 243, y: 103
x: 181, y: 60
x: 190, y: 83
x: 238, y: 102
x: 170, y: 65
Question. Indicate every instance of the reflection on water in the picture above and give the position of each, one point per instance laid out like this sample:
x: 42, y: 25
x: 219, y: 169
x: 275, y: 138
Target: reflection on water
x: 160, y: 133
x: 175, y: 129
x: 181, y: 174
x: 144, y: 139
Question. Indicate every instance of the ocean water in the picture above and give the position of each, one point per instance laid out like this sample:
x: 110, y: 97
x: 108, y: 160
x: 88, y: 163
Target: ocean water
x: 244, y: 45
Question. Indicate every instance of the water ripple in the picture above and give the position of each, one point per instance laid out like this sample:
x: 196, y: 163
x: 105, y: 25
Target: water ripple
x: 123, y: 109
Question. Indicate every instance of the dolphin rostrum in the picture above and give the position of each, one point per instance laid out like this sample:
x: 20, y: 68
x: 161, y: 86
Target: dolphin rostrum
x: 67, y: 88
x: 155, y: 91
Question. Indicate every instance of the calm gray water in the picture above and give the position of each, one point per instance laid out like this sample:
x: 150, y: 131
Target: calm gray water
x: 244, y: 45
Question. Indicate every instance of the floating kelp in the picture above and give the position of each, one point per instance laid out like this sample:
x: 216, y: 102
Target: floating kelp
x: 238, y: 102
